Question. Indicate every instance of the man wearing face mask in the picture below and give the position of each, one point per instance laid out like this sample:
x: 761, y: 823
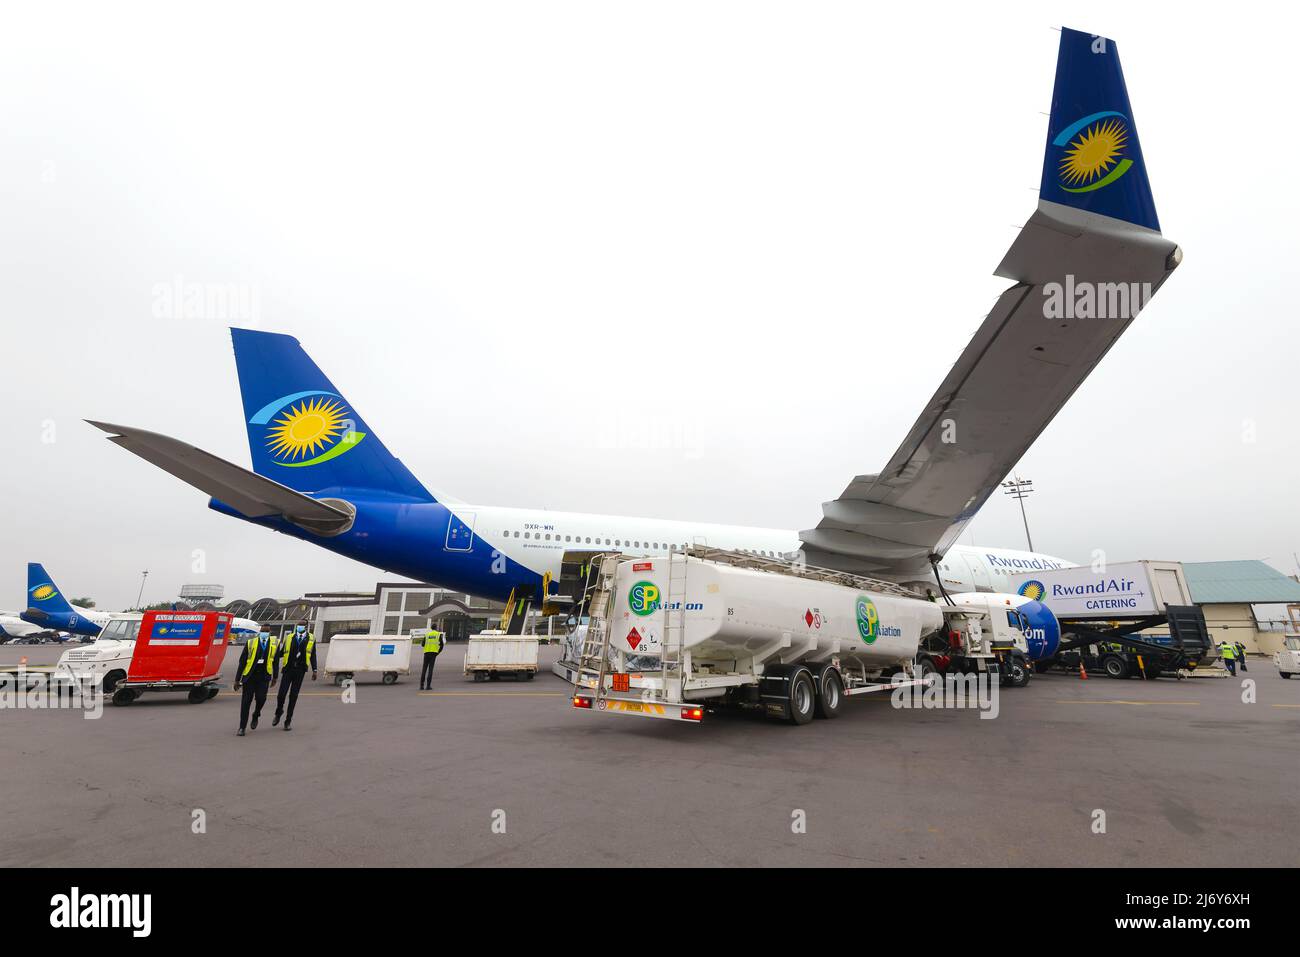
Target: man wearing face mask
x: 298, y: 654
x: 257, y: 671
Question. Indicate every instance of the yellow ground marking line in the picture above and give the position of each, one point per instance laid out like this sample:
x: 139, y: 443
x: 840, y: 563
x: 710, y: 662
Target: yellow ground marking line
x: 1286, y: 706
x: 1140, y: 704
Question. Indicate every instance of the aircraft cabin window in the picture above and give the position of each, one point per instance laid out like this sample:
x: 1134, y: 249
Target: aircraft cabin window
x: 528, y: 534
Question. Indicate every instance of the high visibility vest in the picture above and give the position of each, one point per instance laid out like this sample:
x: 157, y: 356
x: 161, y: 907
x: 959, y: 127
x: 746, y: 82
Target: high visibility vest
x: 288, y: 647
x: 432, y: 641
x: 251, y: 647
x: 1229, y: 651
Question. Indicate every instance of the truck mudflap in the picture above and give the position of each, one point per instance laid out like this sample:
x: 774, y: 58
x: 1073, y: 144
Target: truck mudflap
x: 639, y: 708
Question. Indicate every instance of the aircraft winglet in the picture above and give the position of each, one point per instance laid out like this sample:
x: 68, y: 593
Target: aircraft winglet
x: 1093, y: 160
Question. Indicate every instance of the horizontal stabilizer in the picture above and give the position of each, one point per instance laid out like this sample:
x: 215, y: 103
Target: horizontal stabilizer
x: 250, y: 494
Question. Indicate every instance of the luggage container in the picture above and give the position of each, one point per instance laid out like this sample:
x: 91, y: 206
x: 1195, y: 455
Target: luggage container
x: 492, y: 654
x: 176, y: 651
x: 352, y: 655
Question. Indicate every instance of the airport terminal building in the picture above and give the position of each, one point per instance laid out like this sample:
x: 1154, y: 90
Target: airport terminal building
x: 395, y: 608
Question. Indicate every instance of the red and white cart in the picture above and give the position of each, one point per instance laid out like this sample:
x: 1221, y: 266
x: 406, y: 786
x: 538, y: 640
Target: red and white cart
x: 177, y: 651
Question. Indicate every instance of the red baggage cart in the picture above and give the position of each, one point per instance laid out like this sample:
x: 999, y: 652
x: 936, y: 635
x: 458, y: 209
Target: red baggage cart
x: 177, y: 651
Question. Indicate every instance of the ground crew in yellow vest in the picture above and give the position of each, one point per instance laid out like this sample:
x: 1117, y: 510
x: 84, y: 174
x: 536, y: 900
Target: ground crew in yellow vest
x: 1229, y: 652
x: 432, y: 645
x: 257, y: 671
x: 297, y: 655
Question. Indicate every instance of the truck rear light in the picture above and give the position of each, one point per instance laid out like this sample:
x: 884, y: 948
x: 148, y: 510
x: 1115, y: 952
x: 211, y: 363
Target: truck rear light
x: 693, y: 714
x: 581, y: 702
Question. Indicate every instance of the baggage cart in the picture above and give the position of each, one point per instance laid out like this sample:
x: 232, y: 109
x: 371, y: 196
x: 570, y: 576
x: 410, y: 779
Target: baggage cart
x: 352, y: 655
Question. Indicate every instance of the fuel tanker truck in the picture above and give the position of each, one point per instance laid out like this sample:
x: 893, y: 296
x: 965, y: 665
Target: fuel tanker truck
x: 666, y: 637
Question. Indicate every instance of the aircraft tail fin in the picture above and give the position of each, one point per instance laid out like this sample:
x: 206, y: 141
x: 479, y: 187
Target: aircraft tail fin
x: 302, y: 432
x: 42, y: 594
x: 1094, y: 160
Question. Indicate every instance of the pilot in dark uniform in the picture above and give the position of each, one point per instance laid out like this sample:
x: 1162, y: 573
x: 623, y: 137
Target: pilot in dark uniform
x: 297, y: 655
x: 258, y: 671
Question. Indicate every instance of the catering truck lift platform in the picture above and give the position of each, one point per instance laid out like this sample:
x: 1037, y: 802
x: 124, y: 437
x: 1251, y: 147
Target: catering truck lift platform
x: 176, y: 651
x: 670, y: 636
x: 1106, y: 615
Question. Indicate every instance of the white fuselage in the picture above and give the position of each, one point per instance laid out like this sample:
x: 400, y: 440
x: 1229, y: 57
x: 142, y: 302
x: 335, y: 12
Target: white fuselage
x: 538, y: 539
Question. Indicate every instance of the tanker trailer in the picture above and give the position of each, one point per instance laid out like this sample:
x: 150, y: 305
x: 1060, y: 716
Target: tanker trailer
x: 667, y: 635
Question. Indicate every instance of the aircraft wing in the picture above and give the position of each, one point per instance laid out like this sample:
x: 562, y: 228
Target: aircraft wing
x: 253, y: 495
x: 1087, y: 260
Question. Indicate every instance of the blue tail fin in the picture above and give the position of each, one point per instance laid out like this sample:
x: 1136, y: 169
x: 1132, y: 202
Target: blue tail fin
x: 1094, y: 161
x: 42, y: 593
x: 301, y: 431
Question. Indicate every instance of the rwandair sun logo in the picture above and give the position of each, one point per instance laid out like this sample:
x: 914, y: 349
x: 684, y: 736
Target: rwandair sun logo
x: 1032, y: 590
x: 307, y: 428
x: 1094, y: 152
x: 43, y: 592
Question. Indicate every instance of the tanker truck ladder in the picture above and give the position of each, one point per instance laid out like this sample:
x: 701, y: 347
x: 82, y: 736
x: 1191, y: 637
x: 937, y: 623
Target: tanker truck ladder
x: 672, y: 657
x: 593, y: 658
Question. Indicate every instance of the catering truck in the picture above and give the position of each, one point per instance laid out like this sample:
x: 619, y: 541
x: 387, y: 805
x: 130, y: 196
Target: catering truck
x: 667, y: 637
x: 1125, y: 619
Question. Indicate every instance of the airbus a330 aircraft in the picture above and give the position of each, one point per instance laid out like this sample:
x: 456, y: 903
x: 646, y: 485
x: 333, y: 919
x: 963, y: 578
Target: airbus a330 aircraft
x: 321, y: 474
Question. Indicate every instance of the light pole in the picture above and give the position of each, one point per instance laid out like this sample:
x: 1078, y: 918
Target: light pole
x: 1018, y: 488
x: 143, y: 575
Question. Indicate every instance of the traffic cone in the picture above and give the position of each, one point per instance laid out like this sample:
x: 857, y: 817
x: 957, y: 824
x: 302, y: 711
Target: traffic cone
x: 1083, y: 675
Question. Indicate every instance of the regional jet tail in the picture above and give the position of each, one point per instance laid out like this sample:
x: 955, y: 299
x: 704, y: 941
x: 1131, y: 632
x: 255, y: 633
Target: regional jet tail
x: 321, y: 474
x: 48, y: 608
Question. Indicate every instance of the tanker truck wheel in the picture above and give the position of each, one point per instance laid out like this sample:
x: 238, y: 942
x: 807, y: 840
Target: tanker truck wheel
x: 803, y: 698
x: 830, y: 694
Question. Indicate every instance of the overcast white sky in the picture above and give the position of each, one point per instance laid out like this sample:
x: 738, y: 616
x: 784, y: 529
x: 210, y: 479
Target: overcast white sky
x: 765, y: 230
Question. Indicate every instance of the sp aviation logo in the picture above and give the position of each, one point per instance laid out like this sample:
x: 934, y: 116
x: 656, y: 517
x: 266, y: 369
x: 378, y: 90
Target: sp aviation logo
x: 44, y: 592
x: 1032, y: 590
x: 868, y: 619
x: 643, y: 598
x: 307, y: 428
x: 1094, y: 152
